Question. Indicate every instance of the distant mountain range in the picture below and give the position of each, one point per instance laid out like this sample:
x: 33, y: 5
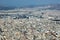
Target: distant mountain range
x: 6, y: 8
x: 49, y: 6
x: 54, y: 6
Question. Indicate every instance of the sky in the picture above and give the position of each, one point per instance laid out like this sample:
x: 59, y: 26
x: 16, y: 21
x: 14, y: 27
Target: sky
x: 19, y: 3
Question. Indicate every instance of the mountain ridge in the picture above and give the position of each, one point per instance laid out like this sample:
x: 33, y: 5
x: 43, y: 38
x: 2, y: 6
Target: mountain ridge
x: 49, y: 6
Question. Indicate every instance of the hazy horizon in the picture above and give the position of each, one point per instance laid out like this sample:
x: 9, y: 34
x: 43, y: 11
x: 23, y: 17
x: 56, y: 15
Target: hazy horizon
x: 19, y: 3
